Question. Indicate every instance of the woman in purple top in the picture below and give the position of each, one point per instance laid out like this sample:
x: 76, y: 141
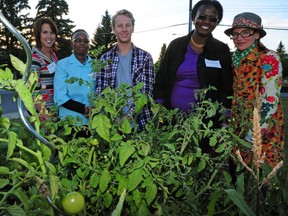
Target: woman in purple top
x: 196, y: 61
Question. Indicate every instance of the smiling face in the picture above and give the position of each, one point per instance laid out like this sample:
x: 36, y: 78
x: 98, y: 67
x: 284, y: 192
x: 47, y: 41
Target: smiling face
x: 80, y: 43
x: 205, y: 20
x: 245, y: 41
x: 47, y: 37
x: 123, y: 29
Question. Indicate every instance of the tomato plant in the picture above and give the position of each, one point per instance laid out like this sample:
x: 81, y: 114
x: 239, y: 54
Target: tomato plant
x: 160, y: 171
x: 73, y: 203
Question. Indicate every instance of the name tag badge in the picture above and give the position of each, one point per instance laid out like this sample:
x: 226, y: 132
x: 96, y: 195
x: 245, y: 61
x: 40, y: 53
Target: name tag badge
x: 51, y: 67
x: 212, y: 63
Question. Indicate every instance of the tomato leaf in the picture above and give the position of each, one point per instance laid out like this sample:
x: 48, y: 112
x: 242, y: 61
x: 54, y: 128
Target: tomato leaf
x: 22, y: 197
x: 4, y: 170
x: 137, y: 197
x: 25, y: 96
x: 122, y: 183
x: 126, y: 150
x: 94, y: 180
x: 201, y: 165
x: 22, y: 162
x: 107, y: 199
x: 134, y: 179
x: 126, y: 126
x: 212, y: 141
x: 11, y: 143
x: 221, y: 148
x: 5, y: 76
x: 15, y: 210
x: 151, y: 192
x: 105, y: 179
x: 102, y: 125
x: 140, y: 102
x: 18, y: 64
x: 54, y: 186
x: 3, y: 183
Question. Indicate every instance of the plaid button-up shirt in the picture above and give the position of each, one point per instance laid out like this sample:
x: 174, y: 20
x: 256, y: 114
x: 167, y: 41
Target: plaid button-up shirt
x: 142, y: 69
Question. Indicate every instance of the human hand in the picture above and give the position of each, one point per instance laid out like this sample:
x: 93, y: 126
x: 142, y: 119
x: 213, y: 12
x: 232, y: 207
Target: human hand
x: 87, y: 111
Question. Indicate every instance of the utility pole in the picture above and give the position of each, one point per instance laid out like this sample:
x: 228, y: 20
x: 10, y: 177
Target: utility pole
x: 190, y: 16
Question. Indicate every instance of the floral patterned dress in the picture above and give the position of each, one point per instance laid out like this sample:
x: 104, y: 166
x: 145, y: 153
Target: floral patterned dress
x: 260, y: 68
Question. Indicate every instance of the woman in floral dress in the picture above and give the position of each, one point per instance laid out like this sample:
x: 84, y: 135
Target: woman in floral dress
x: 257, y: 70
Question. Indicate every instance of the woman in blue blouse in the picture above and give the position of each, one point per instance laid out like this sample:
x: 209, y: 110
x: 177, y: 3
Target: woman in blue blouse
x: 72, y: 98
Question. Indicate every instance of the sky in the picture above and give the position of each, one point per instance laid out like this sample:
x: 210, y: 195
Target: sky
x: 160, y: 21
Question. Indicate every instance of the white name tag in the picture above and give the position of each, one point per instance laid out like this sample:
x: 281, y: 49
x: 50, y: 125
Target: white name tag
x: 212, y: 63
x: 51, y: 67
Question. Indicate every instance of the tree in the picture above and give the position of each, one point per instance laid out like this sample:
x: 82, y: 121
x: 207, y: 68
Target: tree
x: 9, y: 44
x: 103, y: 34
x: 161, y: 56
x: 162, y: 53
x: 55, y: 10
x: 284, y: 58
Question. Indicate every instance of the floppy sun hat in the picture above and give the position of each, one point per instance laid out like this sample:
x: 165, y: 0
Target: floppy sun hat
x: 247, y: 20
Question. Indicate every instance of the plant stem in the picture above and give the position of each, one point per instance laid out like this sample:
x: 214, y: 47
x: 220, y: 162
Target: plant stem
x: 207, y: 186
x: 91, y: 154
x: 5, y: 196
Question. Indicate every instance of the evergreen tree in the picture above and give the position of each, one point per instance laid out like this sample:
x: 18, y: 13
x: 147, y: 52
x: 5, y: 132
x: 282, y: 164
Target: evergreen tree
x: 103, y: 34
x: 55, y: 10
x: 13, y: 11
x: 162, y: 53
x: 161, y: 56
x: 284, y: 58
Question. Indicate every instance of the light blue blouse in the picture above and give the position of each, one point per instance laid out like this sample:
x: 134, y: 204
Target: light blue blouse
x: 63, y: 91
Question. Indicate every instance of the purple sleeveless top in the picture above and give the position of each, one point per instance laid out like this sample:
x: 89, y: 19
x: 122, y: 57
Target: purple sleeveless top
x: 186, y: 81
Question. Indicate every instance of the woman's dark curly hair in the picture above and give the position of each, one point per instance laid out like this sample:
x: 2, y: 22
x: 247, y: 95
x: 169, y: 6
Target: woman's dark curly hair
x: 213, y: 3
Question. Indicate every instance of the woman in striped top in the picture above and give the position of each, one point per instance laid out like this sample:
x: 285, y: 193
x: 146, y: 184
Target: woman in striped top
x: 44, y: 62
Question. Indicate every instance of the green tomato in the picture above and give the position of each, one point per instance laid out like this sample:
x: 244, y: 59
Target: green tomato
x: 94, y: 141
x: 73, y: 203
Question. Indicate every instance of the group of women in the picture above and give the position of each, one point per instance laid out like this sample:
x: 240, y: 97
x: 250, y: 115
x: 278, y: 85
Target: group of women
x: 197, y: 60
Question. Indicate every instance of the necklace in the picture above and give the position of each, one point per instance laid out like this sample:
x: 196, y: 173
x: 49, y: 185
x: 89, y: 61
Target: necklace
x: 195, y: 44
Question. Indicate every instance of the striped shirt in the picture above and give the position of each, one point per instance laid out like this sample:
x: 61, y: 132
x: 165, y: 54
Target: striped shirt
x: 45, y: 77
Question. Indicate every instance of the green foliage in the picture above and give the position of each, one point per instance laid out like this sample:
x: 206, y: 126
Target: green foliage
x: 164, y: 170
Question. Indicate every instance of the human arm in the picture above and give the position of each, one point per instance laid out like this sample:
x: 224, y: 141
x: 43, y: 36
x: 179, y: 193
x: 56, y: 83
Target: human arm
x: 269, y: 89
x: 226, y: 87
x: 159, y: 85
x: 148, y: 75
x: 271, y: 80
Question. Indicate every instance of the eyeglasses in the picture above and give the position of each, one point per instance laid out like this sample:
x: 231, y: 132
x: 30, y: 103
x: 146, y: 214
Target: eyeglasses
x: 244, y: 34
x: 210, y: 19
x: 79, y: 40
